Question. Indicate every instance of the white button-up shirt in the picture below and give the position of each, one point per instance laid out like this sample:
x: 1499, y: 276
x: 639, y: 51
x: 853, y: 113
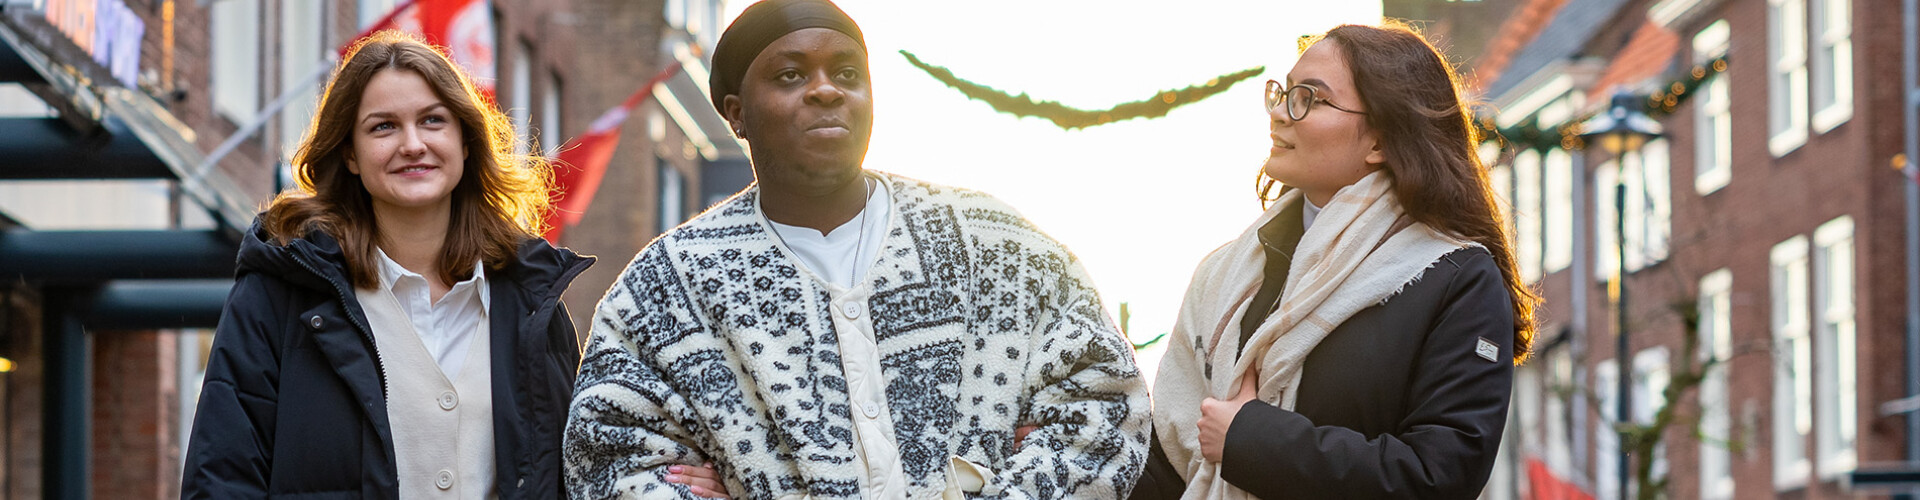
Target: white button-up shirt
x: 446, y: 327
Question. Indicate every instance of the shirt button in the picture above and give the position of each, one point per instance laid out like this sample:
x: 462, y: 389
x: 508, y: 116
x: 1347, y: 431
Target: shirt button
x: 851, y: 309
x: 315, y: 322
x: 870, y: 409
x: 444, y: 480
x: 448, y: 400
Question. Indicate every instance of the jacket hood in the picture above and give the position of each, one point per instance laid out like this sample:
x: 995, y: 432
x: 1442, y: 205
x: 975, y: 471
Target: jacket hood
x: 311, y: 261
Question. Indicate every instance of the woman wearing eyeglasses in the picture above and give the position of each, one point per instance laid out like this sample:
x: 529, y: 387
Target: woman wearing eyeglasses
x: 1358, y: 340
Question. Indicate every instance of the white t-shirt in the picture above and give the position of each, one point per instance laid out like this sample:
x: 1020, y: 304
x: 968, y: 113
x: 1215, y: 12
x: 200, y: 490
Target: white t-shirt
x: 831, y: 255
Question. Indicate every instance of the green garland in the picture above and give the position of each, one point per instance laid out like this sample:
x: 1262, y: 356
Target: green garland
x: 1072, y: 118
x: 1532, y: 135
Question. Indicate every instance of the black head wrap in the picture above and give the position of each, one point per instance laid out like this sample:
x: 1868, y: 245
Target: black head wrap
x: 759, y: 26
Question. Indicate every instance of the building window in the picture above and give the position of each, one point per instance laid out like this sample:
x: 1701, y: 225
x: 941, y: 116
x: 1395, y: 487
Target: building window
x: 372, y: 10
x: 521, y: 97
x: 1650, y: 377
x: 1606, y: 440
x: 1501, y: 178
x: 1649, y: 210
x: 1556, y: 213
x: 303, y: 60
x: 1838, y: 395
x: 673, y: 196
x: 1606, y: 249
x: 1526, y: 212
x: 1832, y: 63
x: 1787, y: 82
x: 550, y: 114
x: 1715, y: 343
x: 1559, y: 426
x: 1792, y: 363
x: 1649, y: 205
x: 236, y: 59
x: 1713, y: 115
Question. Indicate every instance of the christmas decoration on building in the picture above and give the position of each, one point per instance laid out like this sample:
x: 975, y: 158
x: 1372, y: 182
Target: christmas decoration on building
x: 1070, y: 118
x: 1531, y: 134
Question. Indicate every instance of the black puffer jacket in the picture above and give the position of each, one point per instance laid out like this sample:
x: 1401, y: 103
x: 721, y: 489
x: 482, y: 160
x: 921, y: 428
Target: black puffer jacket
x: 294, y: 403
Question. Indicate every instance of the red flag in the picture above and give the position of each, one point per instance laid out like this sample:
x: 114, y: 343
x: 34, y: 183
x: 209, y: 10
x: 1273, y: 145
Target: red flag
x: 583, y: 161
x: 1544, y: 485
x: 463, y: 27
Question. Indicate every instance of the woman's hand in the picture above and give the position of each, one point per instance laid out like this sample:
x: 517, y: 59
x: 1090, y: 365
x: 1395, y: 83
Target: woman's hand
x: 1216, y: 416
x: 1020, y: 435
x: 702, y: 480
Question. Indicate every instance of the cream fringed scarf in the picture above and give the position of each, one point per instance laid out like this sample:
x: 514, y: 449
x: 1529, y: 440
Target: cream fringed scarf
x: 1352, y: 258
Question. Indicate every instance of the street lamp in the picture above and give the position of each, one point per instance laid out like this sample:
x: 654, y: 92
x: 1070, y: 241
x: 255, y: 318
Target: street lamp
x: 1620, y: 130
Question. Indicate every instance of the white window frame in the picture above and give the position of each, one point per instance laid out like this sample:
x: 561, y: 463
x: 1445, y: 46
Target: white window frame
x: 1650, y: 378
x: 1716, y: 424
x: 520, y: 97
x: 234, y: 71
x: 550, y: 115
x: 1526, y: 212
x: 1501, y: 177
x: 1836, y: 349
x: 302, y: 52
x: 1787, y: 75
x: 1606, y: 250
x: 1606, y: 439
x: 1557, y: 211
x: 672, y: 196
x: 1832, y: 63
x: 1713, y: 114
x: 1792, y: 361
x: 1652, y: 227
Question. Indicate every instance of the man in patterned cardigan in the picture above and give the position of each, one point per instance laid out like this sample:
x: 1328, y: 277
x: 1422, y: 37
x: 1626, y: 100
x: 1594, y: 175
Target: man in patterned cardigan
x: 833, y: 332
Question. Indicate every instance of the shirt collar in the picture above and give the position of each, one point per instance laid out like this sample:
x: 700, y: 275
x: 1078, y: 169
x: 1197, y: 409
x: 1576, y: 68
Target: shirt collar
x: 1309, y: 213
x: 391, y: 273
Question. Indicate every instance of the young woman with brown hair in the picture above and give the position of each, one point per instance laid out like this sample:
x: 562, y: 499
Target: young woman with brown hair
x: 1358, y: 341
x: 395, y: 326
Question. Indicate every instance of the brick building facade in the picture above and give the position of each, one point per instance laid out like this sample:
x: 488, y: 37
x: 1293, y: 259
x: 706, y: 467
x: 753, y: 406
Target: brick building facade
x: 1769, y: 207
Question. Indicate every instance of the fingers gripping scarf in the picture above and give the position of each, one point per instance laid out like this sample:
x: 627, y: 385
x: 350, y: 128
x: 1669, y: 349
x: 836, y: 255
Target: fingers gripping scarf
x: 1352, y: 258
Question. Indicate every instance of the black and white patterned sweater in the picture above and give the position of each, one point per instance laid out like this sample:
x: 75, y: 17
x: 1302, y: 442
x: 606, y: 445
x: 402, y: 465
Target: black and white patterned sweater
x: 713, y: 345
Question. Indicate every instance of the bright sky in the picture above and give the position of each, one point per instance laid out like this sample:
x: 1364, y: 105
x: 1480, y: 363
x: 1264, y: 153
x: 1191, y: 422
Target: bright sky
x: 1140, y: 202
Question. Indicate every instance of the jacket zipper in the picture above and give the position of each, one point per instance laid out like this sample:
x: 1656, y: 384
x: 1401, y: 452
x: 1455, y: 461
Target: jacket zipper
x: 366, y: 333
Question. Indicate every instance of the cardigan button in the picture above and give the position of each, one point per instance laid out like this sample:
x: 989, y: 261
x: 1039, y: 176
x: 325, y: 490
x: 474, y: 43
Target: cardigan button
x: 448, y: 400
x: 444, y: 480
x: 315, y: 322
x: 851, y: 309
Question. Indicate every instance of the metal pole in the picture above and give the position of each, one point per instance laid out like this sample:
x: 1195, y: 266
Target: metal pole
x: 1911, y: 94
x: 68, y: 416
x: 1624, y: 387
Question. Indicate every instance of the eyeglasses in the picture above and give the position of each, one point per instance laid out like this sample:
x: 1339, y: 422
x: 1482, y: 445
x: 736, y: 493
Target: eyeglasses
x: 1299, y: 100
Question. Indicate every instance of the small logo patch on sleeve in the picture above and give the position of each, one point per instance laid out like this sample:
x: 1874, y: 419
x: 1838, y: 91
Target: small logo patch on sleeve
x: 1487, y: 350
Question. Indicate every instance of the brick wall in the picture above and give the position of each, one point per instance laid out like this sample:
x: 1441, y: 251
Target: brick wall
x: 136, y: 449
x: 1842, y: 171
x: 624, y: 53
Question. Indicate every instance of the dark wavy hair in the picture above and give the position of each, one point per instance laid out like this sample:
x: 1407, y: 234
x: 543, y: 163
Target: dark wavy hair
x: 1413, y: 99
x: 501, y: 200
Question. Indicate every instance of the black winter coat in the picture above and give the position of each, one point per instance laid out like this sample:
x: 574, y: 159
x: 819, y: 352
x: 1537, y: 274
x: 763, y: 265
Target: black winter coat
x: 294, y: 401
x: 1395, y: 403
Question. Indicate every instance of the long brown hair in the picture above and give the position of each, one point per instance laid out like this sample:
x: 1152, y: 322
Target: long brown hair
x: 1412, y: 98
x: 502, y: 198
